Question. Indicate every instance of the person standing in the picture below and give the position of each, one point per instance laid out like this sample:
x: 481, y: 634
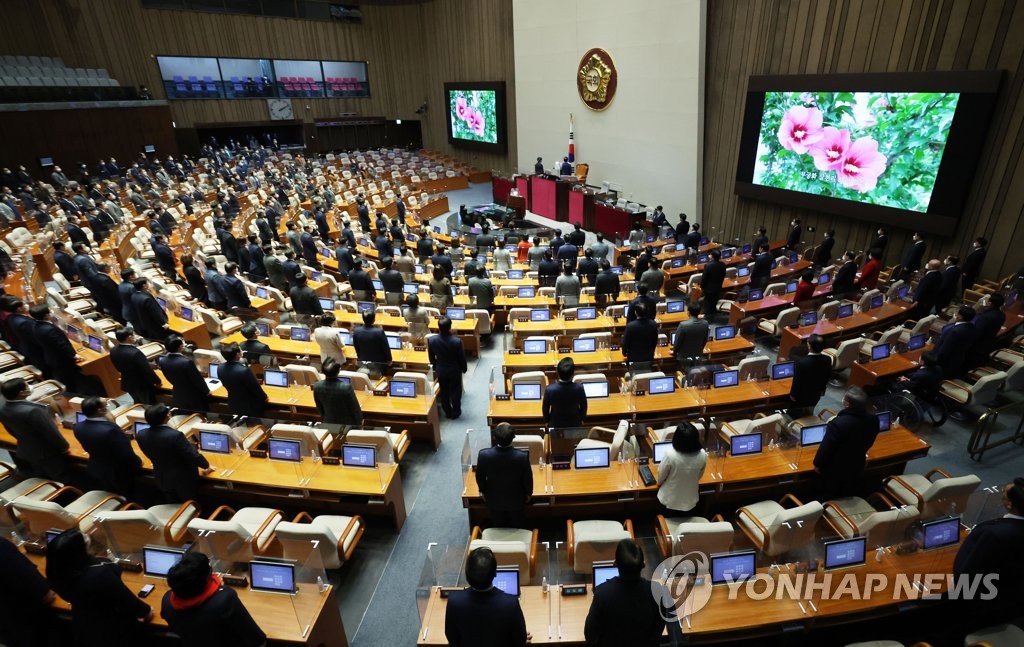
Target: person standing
x: 810, y: 378
x: 795, y: 232
x: 535, y: 254
x: 567, y: 287
x: 762, y: 271
x: 448, y: 358
x: 601, y: 249
x: 913, y: 256
x: 972, y: 264
x: 823, y: 256
x: 137, y: 376
x: 484, y: 614
x: 252, y: 348
x: 371, y: 343
x: 846, y: 275
x: 849, y: 435
x: 606, y: 286
x: 304, y: 300
x: 691, y: 337
x: 151, y: 317
x: 188, y: 388
x: 328, y: 338
x: 245, y: 395
x: 955, y: 343
x: 869, y: 273
x: 565, y: 402
x: 234, y: 290
x: 880, y: 242
x: 680, y: 471
x: 505, y: 479
x: 58, y: 353
x: 640, y: 338
x: 588, y: 268
x: 987, y: 325
x: 950, y: 283
x: 711, y: 280
x: 112, y: 463
x: 481, y: 291
x: 41, y: 451
x: 926, y: 294
x: 335, y: 400
x: 194, y: 279
x: 25, y: 599
x: 177, y: 464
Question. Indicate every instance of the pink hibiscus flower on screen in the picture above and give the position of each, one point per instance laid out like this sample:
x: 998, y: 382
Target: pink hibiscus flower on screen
x: 861, y: 166
x: 476, y: 122
x: 462, y: 109
x: 800, y: 129
x: 828, y: 153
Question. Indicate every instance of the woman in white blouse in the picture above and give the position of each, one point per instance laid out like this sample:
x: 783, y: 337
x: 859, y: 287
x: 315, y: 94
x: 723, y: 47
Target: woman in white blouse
x: 329, y: 339
x: 680, y: 470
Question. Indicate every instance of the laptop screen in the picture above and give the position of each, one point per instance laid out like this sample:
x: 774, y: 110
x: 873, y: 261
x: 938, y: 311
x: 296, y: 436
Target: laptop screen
x: 591, y: 457
x: 186, y: 313
x: 617, y: 269
x: 845, y: 553
x: 326, y: 304
x: 263, y: 329
x: 659, y: 451
x: 272, y: 576
x: 604, y: 572
x: 526, y: 392
x: 596, y: 389
x: 808, y: 318
x: 96, y: 344
x: 661, y: 385
x: 539, y: 314
x: 456, y: 314
x: 732, y: 567
x: 678, y: 262
x: 743, y: 271
x: 358, y: 455
x: 261, y: 293
x: 586, y: 314
x: 884, y: 420
x: 345, y: 337
x: 782, y: 370
x: 402, y: 389
x: 214, y: 441
x: 940, y: 533
x: 275, y: 378
x: 377, y: 284
x: 726, y: 378
x: 365, y: 306
x: 298, y: 333
x: 394, y: 342
x: 514, y: 274
x: 587, y: 345
x: 748, y: 248
x: 745, y: 444
x: 157, y: 561
x: 525, y: 292
x: 410, y: 288
x: 916, y: 341
x: 284, y: 449
x: 535, y: 346
x: 876, y: 301
x: 879, y: 351
x: 214, y: 370
x: 675, y: 306
x: 812, y: 435
x: 823, y: 279
x: 845, y: 310
x: 725, y: 332
x: 507, y: 581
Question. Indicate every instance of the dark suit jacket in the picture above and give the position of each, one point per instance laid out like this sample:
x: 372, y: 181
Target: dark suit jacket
x: 712, y: 277
x: 196, y: 283
x: 309, y: 249
x: 391, y: 280
x: 841, y: 455
x: 447, y: 355
x: 111, y: 459
x: 504, y: 477
x: 692, y: 240
x: 564, y: 405
x: 336, y: 403
x: 253, y: 349
x: 291, y: 269
x: 824, y: 255
x: 234, y: 292
x: 810, y: 377
x: 845, y: 276
x: 24, y: 328
x: 927, y: 293
x: 986, y: 326
x: 58, y: 353
x: 220, y: 620
x: 607, y: 283
x: 614, y: 602
x: 952, y: 348
x: 40, y: 443
x: 228, y: 244
x: 87, y: 269
x: 360, y: 280
x: 305, y: 301
x: 794, y: 236
x: 691, y: 337
x: 136, y: 372
x: 66, y: 265
x: 189, y: 390
x: 762, y: 271
x: 949, y: 285
x: 913, y: 256
x: 245, y: 395
x: 164, y: 258
x: 492, y: 617
x: 151, y: 317
x: 275, y: 272
x: 640, y: 340
x: 993, y: 547
x: 973, y: 262
x: 125, y: 290
x: 371, y: 345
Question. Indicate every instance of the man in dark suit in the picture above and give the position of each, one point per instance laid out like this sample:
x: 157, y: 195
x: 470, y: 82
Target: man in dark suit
x: 955, y: 343
x: 606, y: 286
x: 105, y: 293
x: 85, y: 265
x: 913, y: 256
x: 257, y: 270
x: 23, y: 329
x: 630, y: 596
x: 993, y: 548
x: 949, y: 284
x: 304, y: 300
x: 484, y: 614
x: 112, y: 463
x: 846, y: 275
x: 588, y: 268
x: 505, y: 479
x: 443, y: 260
x: 151, y: 317
x: 880, y: 242
x: 245, y: 395
x: 972, y: 264
x: 188, y: 388
x: 424, y: 247
x: 360, y: 281
x: 274, y: 269
x: 336, y: 402
x: 823, y: 256
x: 987, y: 325
x: 165, y: 257
x: 65, y: 264
x: 448, y: 359
x: 577, y: 236
x: 644, y: 296
x: 42, y: 451
x: 795, y: 232
x: 252, y: 348
x: 810, y: 378
x: 382, y: 243
x: 291, y: 268
x: 840, y: 460
x: 925, y: 381
x: 568, y: 254
x: 234, y: 289
x: 176, y: 462
x: 194, y: 279
x: 640, y: 338
x: 760, y: 238
x: 58, y: 353
x: 371, y: 343
x: 228, y: 242
x: 691, y: 337
x: 137, y: 376
x: 309, y: 248
x: 926, y: 294
x: 392, y: 280
x: 538, y: 168
x: 565, y: 402
x: 711, y: 280
x: 762, y: 271
x: 76, y: 233
x: 566, y: 168
x: 547, y: 272
x: 692, y: 240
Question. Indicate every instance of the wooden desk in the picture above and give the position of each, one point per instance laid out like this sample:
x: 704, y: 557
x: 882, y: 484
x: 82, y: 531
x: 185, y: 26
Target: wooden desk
x: 100, y: 366
x: 307, y: 618
x: 859, y: 323
x: 605, y: 357
x: 402, y: 358
x: 870, y: 373
x: 192, y: 331
x: 769, y: 306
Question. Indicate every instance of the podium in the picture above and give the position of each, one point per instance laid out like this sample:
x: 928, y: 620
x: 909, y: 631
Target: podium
x: 550, y: 197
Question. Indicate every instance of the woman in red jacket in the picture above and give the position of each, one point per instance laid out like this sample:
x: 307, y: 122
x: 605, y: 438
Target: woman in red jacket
x: 869, y: 273
x: 805, y: 289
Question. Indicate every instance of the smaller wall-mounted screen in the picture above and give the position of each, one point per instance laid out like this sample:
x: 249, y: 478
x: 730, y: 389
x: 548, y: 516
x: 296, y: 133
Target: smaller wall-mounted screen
x: 476, y: 115
x: 346, y: 79
x: 247, y: 77
x: 190, y: 77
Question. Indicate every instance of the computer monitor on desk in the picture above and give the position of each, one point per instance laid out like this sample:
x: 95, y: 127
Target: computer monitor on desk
x: 675, y: 306
x: 733, y: 567
x: 917, y: 342
x: 535, y: 346
x: 586, y: 314
x: 595, y: 389
x: 742, y: 272
x: 809, y: 318
x: 275, y: 378
x: 456, y: 314
x: 326, y: 304
x: 540, y: 314
x: 845, y: 553
x: 726, y: 378
x: 215, y: 442
x: 592, y: 458
x: 514, y: 274
x: 884, y: 421
x: 506, y: 580
x: 940, y: 533
x: 284, y: 449
x: 812, y: 435
x: 659, y: 451
x: 526, y: 391
x: 678, y: 261
x: 656, y: 385
x: 96, y: 344
x: 526, y: 292
x: 261, y: 293
x: 394, y: 342
x: 186, y: 314
x: 879, y: 351
x: 782, y: 370
x: 604, y: 571
x: 745, y: 444
x: 272, y: 577
x: 402, y: 389
x: 298, y: 333
x: 353, y: 455
x: 584, y: 345
x: 158, y: 560
x: 725, y: 332
x: 214, y: 371
x: 845, y: 310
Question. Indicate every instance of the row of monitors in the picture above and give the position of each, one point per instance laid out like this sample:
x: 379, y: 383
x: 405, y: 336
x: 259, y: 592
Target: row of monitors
x: 273, y: 377
x: 739, y: 566
x: 264, y: 575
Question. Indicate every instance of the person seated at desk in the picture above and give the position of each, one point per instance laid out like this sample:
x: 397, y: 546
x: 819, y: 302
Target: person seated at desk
x: 680, y: 471
x: 176, y: 462
x: 849, y: 435
x: 203, y: 611
x: 640, y: 338
x: 566, y: 168
x: 188, y: 389
x: 588, y: 268
x: 484, y: 614
x: 41, y: 451
x: 252, y: 348
x: 805, y: 288
x: 234, y: 290
x: 925, y: 381
x: 535, y: 255
x: 371, y: 343
x: 101, y: 605
x: 606, y: 285
x: 137, y: 375
x: 810, y: 378
x: 547, y: 271
x: 567, y: 287
x: 565, y: 402
x: 25, y: 599
x: 336, y: 401
x: 845, y: 280
x: 304, y: 300
x: 245, y: 395
x: 112, y: 464
x: 625, y: 610
x: 691, y: 337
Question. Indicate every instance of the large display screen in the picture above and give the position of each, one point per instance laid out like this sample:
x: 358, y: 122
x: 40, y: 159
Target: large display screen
x: 894, y: 148
x: 476, y: 115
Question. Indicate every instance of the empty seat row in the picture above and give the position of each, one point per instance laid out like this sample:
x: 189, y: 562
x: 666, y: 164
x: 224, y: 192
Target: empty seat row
x: 58, y: 82
x: 32, y: 61
x: 60, y: 72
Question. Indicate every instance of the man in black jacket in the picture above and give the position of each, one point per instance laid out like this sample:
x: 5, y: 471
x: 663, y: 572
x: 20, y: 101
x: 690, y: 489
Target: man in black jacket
x: 125, y: 290
x: 137, y: 376
x: 176, y: 462
x: 810, y: 378
x: 912, y: 257
x: 245, y: 395
x: 640, y: 338
x: 843, y: 282
x: 762, y: 271
x: 505, y: 479
x: 165, y: 257
x: 228, y: 242
x: 58, y: 353
x: 949, y: 284
x: 336, y: 401
x: 692, y: 240
x: 760, y: 238
x: 151, y: 317
x: 606, y: 287
x: 360, y: 281
x: 691, y: 337
x: 711, y: 280
x: 484, y: 614
x: 64, y: 263
x: 234, y: 290
x: 304, y: 300
x: 823, y: 256
x: 424, y: 246
x: 840, y: 459
x: 547, y: 272
x: 257, y: 270
x: 371, y: 343
x: 448, y: 359
x: 203, y: 611
x: 252, y: 348
x: 189, y: 390
x: 85, y: 264
x: 112, y: 463
x: 588, y: 267
x: 106, y: 293
x: 987, y: 325
x: 392, y: 281
x: 42, y: 451
x: 972, y: 264
x: 926, y: 295
x: 795, y: 232
x: 291, y: 268
x: 955, y: 343
x: 565, y: 402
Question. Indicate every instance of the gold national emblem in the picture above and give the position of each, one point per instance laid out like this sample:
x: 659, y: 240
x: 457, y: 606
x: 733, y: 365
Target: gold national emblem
x: 596, y: 79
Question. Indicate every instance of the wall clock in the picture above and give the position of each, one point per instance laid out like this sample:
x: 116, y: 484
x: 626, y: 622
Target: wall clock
x: 280, y: 109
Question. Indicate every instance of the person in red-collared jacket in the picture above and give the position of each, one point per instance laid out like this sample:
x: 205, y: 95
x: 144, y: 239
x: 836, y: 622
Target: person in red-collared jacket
x: 869, y: 273
x: 805, y: 288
